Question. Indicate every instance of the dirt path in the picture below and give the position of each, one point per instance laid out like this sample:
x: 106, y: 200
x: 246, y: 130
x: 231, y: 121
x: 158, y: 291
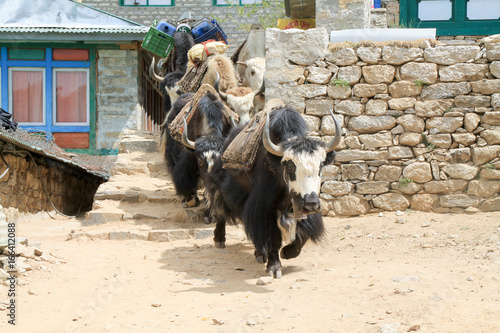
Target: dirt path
x: 370, y: 274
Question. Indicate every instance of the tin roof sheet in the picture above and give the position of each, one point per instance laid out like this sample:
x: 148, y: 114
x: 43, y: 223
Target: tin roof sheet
x: 60, y: 17
x: 99, y: 166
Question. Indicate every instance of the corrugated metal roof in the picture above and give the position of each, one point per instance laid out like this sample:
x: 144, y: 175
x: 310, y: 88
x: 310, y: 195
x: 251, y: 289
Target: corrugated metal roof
x: 24, y: 19
x: 99, y: 166
x: 78, y: 30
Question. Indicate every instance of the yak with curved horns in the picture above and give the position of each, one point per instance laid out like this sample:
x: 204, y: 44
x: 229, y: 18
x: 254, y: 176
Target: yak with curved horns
x: 182, y: 163
x: 277, y: 200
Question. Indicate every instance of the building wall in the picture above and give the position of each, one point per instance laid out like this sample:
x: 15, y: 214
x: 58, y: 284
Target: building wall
x: 227, y: 16
x: 118, y: 106
x: 22, y: 187
x: 421, y: 124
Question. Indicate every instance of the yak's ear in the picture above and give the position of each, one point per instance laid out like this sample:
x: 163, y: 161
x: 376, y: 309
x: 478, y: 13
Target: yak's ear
x: 330, y: 157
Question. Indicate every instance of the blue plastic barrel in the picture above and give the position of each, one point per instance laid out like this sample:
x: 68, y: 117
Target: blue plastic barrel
x: 201, y: 28
x: 166, y: 27
x: 376, y: 4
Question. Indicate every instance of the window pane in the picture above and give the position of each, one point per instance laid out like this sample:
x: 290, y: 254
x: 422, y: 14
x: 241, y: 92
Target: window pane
x: 160, y: 2
x: 133, y: 2
x: 70, y: 54
x: 250, y: 2
x: 27, y: 96
x: 71, y: 97
x: 483, y: 10
x: 434, y: 10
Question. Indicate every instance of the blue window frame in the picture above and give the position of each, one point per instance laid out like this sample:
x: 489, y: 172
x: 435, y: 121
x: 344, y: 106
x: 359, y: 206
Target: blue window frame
x: 48, y: 67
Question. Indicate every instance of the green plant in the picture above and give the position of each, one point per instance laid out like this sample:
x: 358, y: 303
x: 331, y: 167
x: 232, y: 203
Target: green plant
x: 268, y: 12
x: 406, y: 25
x: 404, y: 182
x: 421, y: 83
x: 490, y: 166
x: 340, y: 83
x: 429, y: 145
x: 449, y: 109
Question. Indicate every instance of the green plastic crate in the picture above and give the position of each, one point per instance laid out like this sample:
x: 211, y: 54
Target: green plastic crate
x: 158, y: 42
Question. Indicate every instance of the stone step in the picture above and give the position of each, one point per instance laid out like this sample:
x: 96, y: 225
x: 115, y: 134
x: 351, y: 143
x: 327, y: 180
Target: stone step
x: 152, y: 235
x: 135, y: 141
x: 174, y: 216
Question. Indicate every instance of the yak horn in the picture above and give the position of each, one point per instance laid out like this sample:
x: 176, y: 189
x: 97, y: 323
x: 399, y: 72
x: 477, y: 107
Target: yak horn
x: 336, y: 139
x: 268, y: 144
x: 153, y: 74
x: 261, y: 90
x: 233, y: 123
x: 216, y: 86
x: 242, y: 63
x: 185, y: 140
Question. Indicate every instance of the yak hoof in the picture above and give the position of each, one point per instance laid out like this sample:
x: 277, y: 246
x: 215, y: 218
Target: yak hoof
x: 289, y: 252
x: 261, y: 259
x: 190, y: 202
x: 275, y: 272
x: 220, y: 245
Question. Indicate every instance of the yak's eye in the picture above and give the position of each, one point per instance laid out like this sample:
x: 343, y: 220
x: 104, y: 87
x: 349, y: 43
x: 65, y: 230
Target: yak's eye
x: 201, y: 162
x: 252, y: 72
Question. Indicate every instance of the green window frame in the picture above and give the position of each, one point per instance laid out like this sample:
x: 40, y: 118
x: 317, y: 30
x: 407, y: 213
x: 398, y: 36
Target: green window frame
x: 145, y: 3
x: 222, y: 3
x: 459, y: 24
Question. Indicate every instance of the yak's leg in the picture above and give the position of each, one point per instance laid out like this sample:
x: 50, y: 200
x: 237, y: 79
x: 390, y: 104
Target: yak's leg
x: 220, y: 233
x: 274, y: 264
x: 260, y: 256
x: 293, y: 249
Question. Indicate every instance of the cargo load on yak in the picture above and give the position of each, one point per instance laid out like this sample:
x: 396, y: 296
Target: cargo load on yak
x: 199, y: 56
x: 187, y: 112
x: 241, y: 152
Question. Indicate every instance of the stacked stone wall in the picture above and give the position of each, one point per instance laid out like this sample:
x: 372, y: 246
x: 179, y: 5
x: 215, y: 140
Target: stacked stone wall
x: 421, y: 124
x: 22, y: 188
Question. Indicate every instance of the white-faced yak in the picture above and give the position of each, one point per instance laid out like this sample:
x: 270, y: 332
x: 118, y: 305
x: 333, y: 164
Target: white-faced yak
x: 277, y: 200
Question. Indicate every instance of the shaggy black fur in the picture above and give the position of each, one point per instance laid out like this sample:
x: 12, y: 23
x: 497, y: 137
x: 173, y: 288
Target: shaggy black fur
x: 183, y: 163
x: 256, y: 197
x: 183, y: 43
x: 169, y: 82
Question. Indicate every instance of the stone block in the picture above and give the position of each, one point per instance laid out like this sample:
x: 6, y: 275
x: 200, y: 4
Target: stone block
x: 379, y: 74
x: 351, y: 205
x: 337, y: 188
x: 419, y: 172
x: 450, y: 55
x: 391, y: 202
x: 458, y: 200
x: 404, y: 89
x: 372, y: 187
x: 419, y: 71
x: 371, y: 124
x: 351, y: 74
x: 463, y: 72
x: 461, y: 171
x: 400, y: 55
x: 376, y: 107
x: 445, y: 90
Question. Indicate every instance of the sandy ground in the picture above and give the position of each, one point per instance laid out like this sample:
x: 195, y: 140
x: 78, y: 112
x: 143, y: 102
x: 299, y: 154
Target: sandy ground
x: 432, y: 273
